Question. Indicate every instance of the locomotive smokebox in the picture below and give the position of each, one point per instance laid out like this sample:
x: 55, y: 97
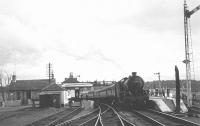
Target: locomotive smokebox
x: 134, y: 84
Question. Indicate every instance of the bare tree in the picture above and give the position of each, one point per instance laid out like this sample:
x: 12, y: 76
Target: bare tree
x: 2, y: 90
x: 5, y: 80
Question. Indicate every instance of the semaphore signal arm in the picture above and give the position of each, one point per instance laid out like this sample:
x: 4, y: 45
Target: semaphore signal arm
x: 189, y: 13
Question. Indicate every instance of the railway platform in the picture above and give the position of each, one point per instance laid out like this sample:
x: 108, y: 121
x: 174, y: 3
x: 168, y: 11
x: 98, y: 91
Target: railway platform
x: 165, y: 104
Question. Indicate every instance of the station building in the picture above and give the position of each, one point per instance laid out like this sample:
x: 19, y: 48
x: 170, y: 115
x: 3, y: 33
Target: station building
x: 46, y: 93
x: 25, y: 91
x: 73, y: 87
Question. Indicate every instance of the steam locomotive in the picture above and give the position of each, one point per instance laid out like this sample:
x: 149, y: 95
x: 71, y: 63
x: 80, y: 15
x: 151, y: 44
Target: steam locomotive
x: 128, y: 91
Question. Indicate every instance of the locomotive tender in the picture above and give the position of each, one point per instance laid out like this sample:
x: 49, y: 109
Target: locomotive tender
x: 128, y: 91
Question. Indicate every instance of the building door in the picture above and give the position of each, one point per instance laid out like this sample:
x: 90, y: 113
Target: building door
x: 76, y: 93
x: 45, y: 101
x: 56, y: 100
x: 50, y: 100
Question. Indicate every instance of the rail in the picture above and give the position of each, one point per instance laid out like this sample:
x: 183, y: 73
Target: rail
x: 47, y: 120
x: 184, y: 121
x: 62, y: 118
x: 148, y: 118
x: 95, y: 118
x: 123, y: 121
x: 163, y: 119
x: 78, y: 119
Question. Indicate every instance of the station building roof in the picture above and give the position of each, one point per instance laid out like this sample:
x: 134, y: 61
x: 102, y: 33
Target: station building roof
x: 53, y: 87
x: 70, y: 80
x: 24, y: 85
x: 74, y: 85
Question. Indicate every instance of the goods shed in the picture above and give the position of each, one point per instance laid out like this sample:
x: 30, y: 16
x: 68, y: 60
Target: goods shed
x: 52, y: 96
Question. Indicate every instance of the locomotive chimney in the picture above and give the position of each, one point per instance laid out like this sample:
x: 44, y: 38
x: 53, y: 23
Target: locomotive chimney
x: 134, y: 73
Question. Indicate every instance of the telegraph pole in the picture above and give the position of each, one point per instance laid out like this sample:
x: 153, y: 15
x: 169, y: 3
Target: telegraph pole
x: 50, y: 72
x: 187, y: 61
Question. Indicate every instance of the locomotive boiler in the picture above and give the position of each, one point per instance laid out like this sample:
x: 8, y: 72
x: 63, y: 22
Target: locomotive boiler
x: 126, y: 92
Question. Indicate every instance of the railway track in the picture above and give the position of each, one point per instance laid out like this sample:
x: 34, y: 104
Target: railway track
x: 56, y: 118
x: 105, y: 115
x: 96, y: 120
x: 156, y: 118
x: 84, y: 120
x: 112, y: 118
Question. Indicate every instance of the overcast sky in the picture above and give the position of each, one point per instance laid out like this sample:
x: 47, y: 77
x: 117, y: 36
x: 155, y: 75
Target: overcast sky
x: 96, y: 39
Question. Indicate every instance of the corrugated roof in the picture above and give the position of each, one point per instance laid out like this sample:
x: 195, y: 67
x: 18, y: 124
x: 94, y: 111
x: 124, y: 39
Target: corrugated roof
x: 53, y: 87
x: 77, y: 85
x: 36, y: 84
x: 70, y: 80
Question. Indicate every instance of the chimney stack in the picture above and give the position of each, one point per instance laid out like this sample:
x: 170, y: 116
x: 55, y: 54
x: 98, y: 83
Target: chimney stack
x: 13, y: 78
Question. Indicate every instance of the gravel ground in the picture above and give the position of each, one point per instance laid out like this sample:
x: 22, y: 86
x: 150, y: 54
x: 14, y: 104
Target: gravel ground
x: 28, y: 116
x: 83, y: 112
x: 88, y: 107
x: 193, y: 119
x: 6, y: 109
x: 138, y: 121
x: 18, y: 116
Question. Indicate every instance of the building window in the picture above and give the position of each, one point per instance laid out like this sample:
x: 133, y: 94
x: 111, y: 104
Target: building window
x: 18, y: 96
x: 28, y: 93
